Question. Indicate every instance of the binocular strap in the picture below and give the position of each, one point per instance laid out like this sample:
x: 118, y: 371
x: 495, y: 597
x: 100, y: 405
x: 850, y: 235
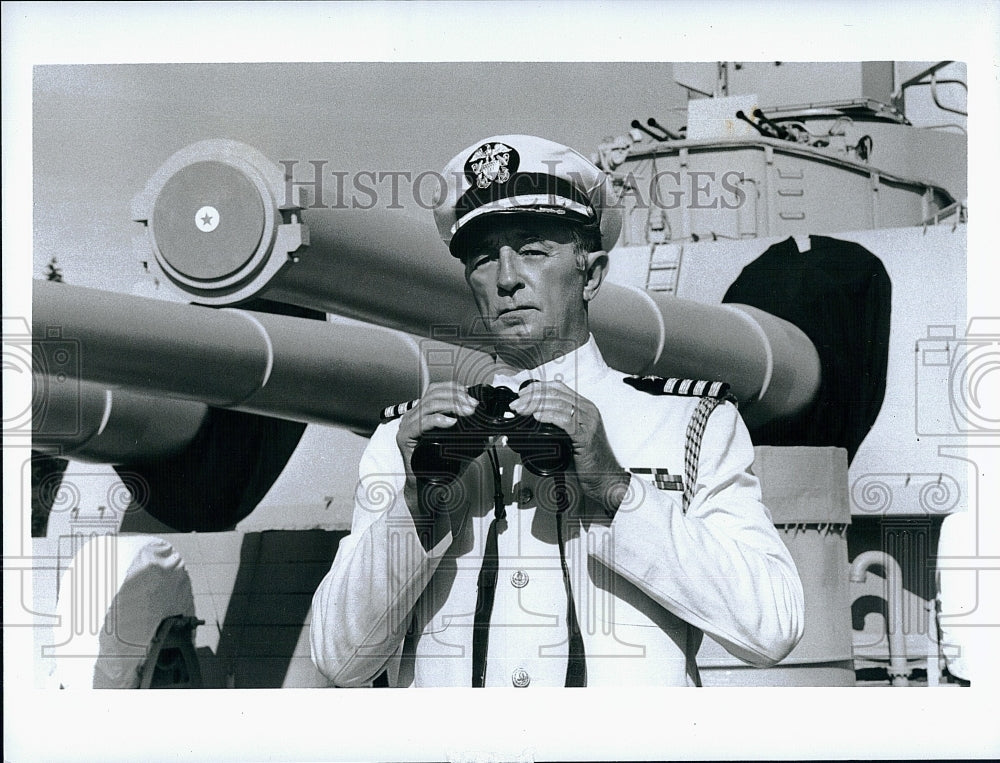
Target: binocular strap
x: 487, y: 583
x: 576, y: 666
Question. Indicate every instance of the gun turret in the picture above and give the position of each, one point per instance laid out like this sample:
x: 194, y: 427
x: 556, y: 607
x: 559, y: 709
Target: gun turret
x: 226, y: 226
x: 384, y: 267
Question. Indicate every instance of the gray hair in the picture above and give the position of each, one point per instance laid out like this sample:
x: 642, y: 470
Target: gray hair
x: 586, y: 239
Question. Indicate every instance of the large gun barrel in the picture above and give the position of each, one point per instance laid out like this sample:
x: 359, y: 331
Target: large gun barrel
x: 225, y: 224
x: 89, y: 422
x: 339, y: 373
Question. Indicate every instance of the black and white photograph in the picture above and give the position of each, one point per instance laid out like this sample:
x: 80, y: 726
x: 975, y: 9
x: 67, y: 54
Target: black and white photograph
x: 361, y: 356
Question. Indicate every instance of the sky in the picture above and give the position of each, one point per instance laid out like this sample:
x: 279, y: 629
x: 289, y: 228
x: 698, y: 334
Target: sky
x: 101, y: 131
x: 107, y: 130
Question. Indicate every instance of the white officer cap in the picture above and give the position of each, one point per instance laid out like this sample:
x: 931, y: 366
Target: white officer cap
x: 525, y: 174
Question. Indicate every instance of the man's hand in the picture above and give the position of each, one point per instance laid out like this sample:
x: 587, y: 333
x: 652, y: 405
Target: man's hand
x: 439, y: 408
x: 600, y: 475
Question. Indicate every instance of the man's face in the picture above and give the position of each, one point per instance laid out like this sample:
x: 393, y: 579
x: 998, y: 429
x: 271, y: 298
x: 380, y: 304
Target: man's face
x: 524, y: 277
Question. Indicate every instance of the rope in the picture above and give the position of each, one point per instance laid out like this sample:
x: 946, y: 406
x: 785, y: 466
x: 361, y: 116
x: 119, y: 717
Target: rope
x: 692, y: 448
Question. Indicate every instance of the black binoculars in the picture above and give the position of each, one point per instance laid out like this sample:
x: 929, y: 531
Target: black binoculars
x: 441, y: 454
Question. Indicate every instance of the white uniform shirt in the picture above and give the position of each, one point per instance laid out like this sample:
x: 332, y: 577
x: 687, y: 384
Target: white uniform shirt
x: 645, y: 584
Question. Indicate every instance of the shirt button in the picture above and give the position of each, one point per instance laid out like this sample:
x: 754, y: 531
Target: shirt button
x: 519, y: 579
x: 520, y: 678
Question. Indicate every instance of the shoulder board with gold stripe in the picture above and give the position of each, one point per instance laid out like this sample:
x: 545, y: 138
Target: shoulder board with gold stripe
x: 657, y: 385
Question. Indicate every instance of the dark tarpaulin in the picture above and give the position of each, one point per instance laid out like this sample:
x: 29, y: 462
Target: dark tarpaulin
x: 220, y: 477
x: 231, y: 463
x: 839, y: 294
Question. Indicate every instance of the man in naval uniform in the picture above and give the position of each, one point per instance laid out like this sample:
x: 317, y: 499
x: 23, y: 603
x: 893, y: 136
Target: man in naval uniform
x: 607, y: 574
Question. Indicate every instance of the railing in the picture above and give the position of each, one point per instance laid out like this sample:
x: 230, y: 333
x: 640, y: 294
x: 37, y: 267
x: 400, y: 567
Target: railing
x: 920, y: 80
